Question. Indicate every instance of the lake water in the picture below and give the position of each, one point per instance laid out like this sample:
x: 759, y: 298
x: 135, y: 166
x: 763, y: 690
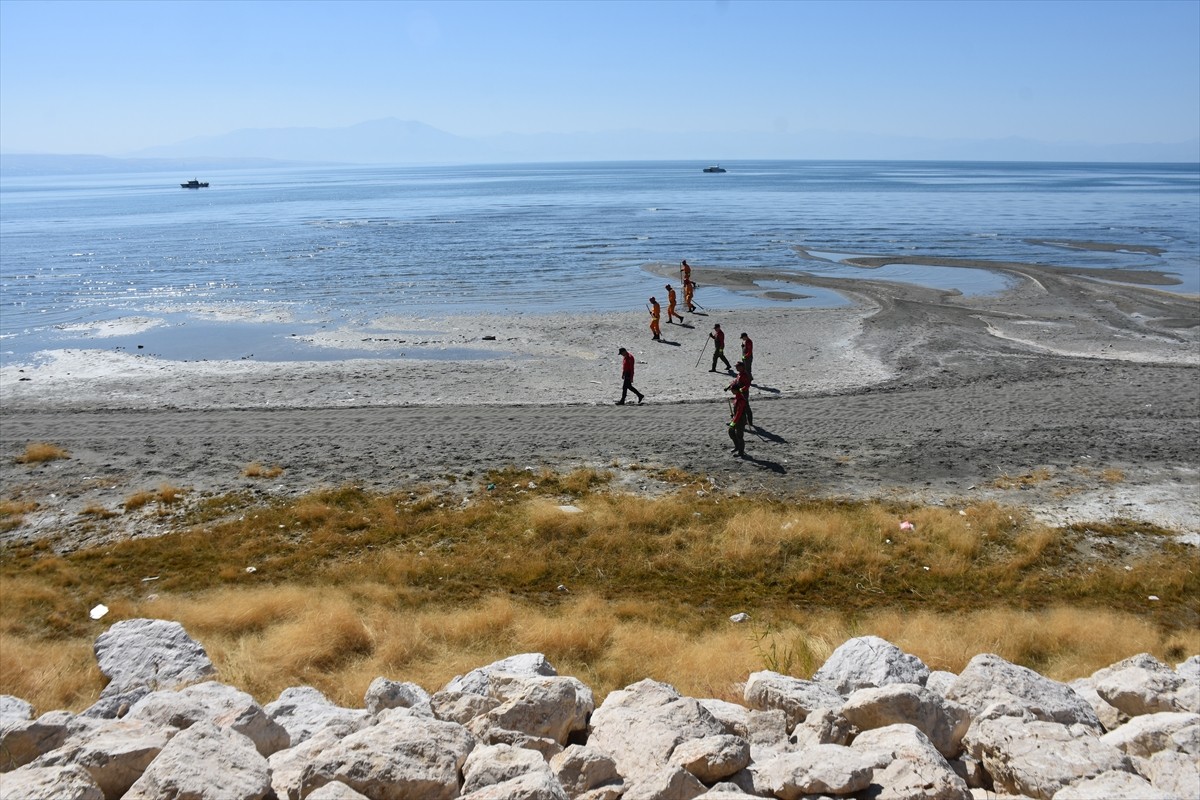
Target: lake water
x: 263, y: 251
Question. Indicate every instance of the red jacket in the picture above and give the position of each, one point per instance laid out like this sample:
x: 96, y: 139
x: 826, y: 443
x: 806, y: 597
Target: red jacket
x: 747, y: 348
x: 627, y: 365
x: 739, y: 409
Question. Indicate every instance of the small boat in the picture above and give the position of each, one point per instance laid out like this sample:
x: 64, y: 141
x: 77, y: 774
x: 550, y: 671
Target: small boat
x: 715, y: 168
x: 195, y: 184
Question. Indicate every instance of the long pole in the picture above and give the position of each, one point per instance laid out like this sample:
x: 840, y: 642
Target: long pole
x: 702, y: 349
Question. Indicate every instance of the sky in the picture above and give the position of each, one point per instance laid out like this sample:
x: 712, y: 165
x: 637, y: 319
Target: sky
x: 111, y: 78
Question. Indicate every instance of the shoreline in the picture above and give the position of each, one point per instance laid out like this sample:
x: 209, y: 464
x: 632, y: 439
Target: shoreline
x: 913, y: 394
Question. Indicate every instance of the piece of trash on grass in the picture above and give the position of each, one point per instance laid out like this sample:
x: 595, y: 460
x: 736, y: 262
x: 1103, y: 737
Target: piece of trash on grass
x: 1153, y: 597
x: 741, y: 616
x: 906, y: 526
x: 570, y: 509
x: 562, y: 588
x: 251, y: 570
x: 98, y: 612
x: 962, y: 513
x: 151, y: 578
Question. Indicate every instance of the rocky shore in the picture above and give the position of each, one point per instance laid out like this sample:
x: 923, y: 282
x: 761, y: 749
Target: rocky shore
x: 874, y: 722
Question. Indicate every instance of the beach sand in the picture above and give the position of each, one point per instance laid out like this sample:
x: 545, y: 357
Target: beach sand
x: 1076, y: 397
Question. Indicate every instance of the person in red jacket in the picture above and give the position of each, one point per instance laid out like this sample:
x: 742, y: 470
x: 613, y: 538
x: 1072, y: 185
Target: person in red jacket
x: 718, y: 337
x: 741, y: 386
x: 748, y: 356
x: 737, y: 425
x: 627, y: 377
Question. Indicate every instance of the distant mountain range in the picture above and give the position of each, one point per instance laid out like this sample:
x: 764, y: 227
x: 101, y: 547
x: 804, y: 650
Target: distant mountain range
x: 394, y: 141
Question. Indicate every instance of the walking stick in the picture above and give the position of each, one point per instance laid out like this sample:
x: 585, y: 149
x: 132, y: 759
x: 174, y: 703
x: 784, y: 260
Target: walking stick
x: 702, y: 349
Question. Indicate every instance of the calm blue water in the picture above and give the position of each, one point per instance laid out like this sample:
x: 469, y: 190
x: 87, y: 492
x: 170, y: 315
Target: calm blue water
x: 310, y: 247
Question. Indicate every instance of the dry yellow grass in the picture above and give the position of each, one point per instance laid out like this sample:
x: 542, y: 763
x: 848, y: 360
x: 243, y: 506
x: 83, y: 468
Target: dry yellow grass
x: 39, y: 452
x: 257, y: 470
x: 420, y: 586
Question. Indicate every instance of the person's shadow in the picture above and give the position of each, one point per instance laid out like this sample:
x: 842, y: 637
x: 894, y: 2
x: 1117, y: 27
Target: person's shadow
x: 763, y: 433
x: 668, y: 341
x: 762, y: 388
x: 767, y: 464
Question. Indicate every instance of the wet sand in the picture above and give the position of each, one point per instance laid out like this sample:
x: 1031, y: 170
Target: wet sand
x: 1076, y: 397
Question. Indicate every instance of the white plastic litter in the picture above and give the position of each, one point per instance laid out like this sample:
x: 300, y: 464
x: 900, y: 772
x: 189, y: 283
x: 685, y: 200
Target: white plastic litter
x: 570, y: 509
x: 98, y: 612
x: 740, y: 617
x: 906, y: 526
x: 251, y: 570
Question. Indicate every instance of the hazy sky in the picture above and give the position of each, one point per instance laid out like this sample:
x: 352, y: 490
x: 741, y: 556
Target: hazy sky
x: 114, y: 77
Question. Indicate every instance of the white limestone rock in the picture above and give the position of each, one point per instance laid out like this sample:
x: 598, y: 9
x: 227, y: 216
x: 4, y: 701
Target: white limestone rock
x: 336, y: 791
x: 21, y: 741
x: 1026, y: 755
x: 14, y: 709
x: 939, y: 681
x: 870, y: 661
x: 530, y: 786
x: 205, y: 762
x: 712, y: 758
x: 384, y: 693
x: 150, y: 653
x: 1171, y: 771
x: 823, y: 726
x: 734, y: 717
x: 543, y: 707
x: 796, y: 697
x: 1109, y: 716
x: 943, y: 721
x: 826, y: 768
x: 641, y: 725
x: 460, y: 707
x: 115, y: 754
x: 478, y: 681
x: 1152, y: 733
x: 1189, y: 670
x: 1140, y: 685
x: 402, y: 756
x: 217, y: 703
x: 669, y: 783
x: 585, y: 771
x: 303, y: 710
x: 1112, y: 785
x: 910, y: 766
x: 49, y: 783
x: 493, y: 765
x: 989, y: 680
x: 287, y: 766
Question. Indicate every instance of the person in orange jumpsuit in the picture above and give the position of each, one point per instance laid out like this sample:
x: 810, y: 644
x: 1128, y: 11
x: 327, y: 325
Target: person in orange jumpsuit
x: 671, y: 312
x: 689, y: 291
x: 627, y: 377
x: 655, y: 315
x: 748, y: 356
x: 718, y: 337
x: 737, y: 425
x: 685, y: 272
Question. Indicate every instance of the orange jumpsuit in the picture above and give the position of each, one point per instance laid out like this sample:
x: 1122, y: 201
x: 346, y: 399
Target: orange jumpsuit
x: 671, y: 312
x: 655, y: 314
x: 689, y: 289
